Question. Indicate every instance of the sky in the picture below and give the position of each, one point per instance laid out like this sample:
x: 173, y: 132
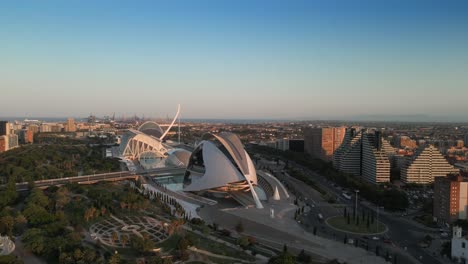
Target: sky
x: 242, y: 59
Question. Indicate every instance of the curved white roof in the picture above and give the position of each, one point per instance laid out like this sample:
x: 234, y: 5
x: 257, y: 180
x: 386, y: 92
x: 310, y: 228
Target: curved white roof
x: 224, y: 161
x: 135, y: 142
x: 151, y: 128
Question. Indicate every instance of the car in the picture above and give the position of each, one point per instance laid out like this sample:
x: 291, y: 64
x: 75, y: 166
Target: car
x: 365, y: 237
x: 444, y: 234
x: 375, y: 238
x: 387, y: 241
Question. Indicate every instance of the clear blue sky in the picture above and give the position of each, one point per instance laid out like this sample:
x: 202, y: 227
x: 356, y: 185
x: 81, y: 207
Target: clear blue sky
x: 234, y: 59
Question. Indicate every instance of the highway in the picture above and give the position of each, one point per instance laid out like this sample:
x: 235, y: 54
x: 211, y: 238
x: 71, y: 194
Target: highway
x: 403, y: 235
x: 112, y: 176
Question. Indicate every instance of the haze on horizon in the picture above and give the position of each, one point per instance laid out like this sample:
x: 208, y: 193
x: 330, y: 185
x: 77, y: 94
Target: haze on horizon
x: 234, y: 59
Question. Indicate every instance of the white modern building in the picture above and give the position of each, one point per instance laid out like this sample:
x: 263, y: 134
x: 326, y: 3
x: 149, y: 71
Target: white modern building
x: 220, y: 164
x: 146, y: 145
x: 459, y: 245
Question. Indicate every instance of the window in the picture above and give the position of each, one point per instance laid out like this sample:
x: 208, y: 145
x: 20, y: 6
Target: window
x: 463, y: 244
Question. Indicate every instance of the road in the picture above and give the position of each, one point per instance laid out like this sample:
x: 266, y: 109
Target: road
x: 404, y: 235
x: 112, y: 176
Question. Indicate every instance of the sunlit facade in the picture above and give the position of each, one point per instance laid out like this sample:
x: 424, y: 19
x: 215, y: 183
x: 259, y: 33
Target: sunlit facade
x: 220, y: 162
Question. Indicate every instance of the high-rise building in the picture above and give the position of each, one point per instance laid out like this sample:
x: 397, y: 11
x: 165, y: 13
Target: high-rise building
x: 322, y: 142
x: 460, y: 144
x: 347, y: 158
x: 70, y: 126
x: 365, y: 154
x: 450, y: 199
x: 33, y: 128
x: 25, y: 136
x: 3, y: 143
x: 282, y: 144
x: 12, y: 141
x: 296, y: 145
x: 57, y: 128
x: 44, y: 128
x: 376, y: 154
x: 426, y: 164
x: 4, y: 128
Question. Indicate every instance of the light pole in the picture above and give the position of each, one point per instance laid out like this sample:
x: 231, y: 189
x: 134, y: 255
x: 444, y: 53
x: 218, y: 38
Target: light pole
x: 355, y: 205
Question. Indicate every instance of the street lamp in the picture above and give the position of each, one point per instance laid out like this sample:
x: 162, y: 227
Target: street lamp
x: 355, y: 206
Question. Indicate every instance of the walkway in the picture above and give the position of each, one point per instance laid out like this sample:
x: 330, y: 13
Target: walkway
x: 204, y: 252
x: 277, y: 232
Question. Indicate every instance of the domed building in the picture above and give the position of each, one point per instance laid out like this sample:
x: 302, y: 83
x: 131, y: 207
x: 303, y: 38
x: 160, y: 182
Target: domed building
x: 151, y: 128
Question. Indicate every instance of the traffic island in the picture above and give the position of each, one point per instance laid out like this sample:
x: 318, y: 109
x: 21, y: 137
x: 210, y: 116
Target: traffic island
x: 356, y: 226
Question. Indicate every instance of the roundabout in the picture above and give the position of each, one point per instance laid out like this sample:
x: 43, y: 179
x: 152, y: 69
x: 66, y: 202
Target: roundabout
x: 341, y: 224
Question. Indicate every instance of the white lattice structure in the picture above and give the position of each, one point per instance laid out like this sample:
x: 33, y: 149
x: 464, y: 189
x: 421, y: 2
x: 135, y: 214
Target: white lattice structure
x: 135, y: 143
x: 146, y: 145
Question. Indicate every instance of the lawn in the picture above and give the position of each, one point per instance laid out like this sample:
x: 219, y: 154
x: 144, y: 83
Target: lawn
x: 340, y: 223
x: 220, y: 249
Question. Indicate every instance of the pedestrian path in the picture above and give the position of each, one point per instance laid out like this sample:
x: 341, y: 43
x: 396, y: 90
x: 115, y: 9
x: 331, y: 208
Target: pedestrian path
x: 291, y: 234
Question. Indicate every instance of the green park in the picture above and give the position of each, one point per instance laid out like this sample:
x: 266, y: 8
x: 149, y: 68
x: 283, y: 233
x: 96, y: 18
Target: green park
x: 360, y: 223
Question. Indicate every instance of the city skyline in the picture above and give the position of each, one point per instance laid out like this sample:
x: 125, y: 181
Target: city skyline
x: 243, y: 60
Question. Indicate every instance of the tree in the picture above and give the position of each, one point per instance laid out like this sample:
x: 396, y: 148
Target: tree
x: 124, y: 240
x: 243, y: 242
x: 38, y: 198
x: 240, y: 227
x: 303, y: 257
x: 159, y: 260
x: 10, y: 259
x: 78, y: 254
x: 61, y: 198
x: 142, y: 244
x: 35, y: 241
x: 175, y: 226
x: 89, y: 255
x: 183, y: 244
x: 283, y: 258
x: 20, y: 223
x: 6, y: 225
x: 37, y: 215
x: 114, y: 237
x: 114, y: 259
